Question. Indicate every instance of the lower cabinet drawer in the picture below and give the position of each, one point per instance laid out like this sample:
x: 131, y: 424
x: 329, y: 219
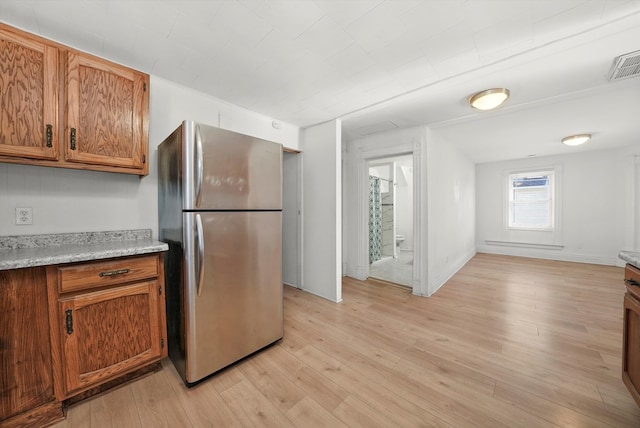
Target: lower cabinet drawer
x: 88, y: 275
x: 632, y: 275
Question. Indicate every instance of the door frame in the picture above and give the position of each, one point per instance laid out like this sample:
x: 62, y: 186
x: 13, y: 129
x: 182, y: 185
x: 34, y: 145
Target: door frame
x: 364, y: 157
x: 299, y: 218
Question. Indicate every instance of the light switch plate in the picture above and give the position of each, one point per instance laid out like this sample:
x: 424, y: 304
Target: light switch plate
x: 24, y: 216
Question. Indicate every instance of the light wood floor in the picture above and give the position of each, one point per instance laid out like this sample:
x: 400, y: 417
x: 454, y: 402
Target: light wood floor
x: 507, y: 342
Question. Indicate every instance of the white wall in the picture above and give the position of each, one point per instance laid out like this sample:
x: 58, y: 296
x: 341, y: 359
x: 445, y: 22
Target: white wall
x: 404, y: 202
x: 65, y: 200
x: 596, y: 188
x: 358, y: 152
x: 322, y: 210
x: 450, y: 231
x: 81, y: 201
x: 171, y: 103
x: 443, y: 212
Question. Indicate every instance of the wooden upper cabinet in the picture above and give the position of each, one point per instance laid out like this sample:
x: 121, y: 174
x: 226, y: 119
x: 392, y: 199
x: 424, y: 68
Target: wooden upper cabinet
x: 64, y: 108
x: 28, y: 97
x: 105, y: 113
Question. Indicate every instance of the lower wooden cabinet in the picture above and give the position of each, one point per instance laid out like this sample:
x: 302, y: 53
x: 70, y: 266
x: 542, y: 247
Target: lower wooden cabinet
x: 26, y: 380
x: 69, y: 331
x: 108, y: 332
x: 631, y: 336
x: 112, y: 325
x: 631, y: 365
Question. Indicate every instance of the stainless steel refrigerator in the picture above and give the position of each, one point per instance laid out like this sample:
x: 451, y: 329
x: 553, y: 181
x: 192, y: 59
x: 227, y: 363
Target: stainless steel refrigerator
x: 220, y: 211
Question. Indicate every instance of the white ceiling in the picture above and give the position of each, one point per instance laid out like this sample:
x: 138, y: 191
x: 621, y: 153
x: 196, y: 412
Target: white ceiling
x: 380, y: 64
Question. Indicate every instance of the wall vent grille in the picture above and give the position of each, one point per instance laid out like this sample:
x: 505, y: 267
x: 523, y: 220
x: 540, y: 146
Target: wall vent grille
x: 626, y: 66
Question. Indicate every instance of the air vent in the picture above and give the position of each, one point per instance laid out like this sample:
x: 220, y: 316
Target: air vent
x: 626, y: 66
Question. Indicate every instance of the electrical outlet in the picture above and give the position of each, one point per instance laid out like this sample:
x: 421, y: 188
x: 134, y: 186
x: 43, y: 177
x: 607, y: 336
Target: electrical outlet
x: 24, y: 216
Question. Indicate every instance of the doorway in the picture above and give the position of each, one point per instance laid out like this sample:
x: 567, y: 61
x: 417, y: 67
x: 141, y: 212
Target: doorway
x: 292, y: 219
x: 391, y: 219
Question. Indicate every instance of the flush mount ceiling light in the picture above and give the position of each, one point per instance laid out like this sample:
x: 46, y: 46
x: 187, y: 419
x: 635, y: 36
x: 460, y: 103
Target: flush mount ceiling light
x: 576, y: 140
x: 489, y: 99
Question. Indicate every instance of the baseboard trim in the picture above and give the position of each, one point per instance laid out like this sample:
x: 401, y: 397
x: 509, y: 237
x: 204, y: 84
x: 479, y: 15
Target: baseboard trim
x: 525, y: 245
x: 447, y: 275
x: 549, y: 255
x: 320, y: 295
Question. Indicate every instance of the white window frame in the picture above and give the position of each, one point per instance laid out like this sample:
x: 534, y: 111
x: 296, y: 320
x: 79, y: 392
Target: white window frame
x: 548, y: 172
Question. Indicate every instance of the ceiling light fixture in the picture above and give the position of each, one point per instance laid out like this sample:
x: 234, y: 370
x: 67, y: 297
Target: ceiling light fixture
x: 576, y: 140
x: 489, y: 99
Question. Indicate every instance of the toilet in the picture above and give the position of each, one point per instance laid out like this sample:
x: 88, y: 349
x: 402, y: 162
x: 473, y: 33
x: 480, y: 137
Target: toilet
x: 399, y: 240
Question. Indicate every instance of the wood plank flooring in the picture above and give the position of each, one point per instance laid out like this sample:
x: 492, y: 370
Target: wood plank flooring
x: 507, y: 342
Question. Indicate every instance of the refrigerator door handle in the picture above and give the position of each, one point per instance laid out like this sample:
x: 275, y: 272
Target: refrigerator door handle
x: 200, y: 241
x: 199, y: 166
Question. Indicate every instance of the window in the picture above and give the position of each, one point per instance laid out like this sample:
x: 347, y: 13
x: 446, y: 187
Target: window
x: 531, y: 200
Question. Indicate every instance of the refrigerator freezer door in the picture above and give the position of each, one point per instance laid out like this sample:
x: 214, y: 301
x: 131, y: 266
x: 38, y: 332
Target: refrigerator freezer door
x: 225, y: 170
x: 234, y: 287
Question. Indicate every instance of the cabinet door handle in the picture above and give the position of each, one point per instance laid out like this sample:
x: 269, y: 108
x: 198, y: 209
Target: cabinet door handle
x: 49, y: 136
x: 114, y: 272
x: 72, y: 139
x: 69, y: 320
x: 631, y: 282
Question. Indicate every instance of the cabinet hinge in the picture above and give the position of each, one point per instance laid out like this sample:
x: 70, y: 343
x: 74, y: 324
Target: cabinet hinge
x: 162, y: 343
x: 49, y: 136
x: 72, y: 139
x: 69, y: 320
x: 159, y: 290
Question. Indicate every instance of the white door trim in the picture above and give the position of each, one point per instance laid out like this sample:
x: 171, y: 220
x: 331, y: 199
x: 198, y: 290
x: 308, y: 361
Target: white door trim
x: 297, y: 194
x: 364, y: 156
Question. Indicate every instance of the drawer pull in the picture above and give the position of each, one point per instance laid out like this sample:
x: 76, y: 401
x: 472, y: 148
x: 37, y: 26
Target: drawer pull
x: 631, y: 281
x: 114, y: 272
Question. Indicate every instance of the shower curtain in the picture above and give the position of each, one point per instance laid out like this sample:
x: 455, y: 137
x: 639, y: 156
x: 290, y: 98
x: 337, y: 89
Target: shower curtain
x: 375, y: 220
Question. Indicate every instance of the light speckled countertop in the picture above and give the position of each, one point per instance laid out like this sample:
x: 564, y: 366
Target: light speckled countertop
x: 630, y: 257
x: 39, y: 250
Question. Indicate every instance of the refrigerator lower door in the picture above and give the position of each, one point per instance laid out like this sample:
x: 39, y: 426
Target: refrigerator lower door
x: 233, y: 293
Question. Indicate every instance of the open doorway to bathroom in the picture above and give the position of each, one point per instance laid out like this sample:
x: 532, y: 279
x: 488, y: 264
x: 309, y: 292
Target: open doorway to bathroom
x: 391, y: 219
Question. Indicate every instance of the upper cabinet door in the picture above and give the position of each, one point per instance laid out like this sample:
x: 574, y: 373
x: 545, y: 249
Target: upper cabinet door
x: 28, y: 97
x: 107, y: 113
